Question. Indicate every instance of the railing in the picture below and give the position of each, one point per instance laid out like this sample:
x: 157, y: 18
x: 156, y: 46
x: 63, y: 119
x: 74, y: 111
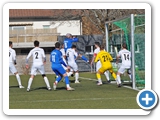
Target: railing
x: 29, y: 35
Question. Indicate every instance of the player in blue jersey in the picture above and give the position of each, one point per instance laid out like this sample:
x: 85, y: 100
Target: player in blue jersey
x: 56, y: 60
x: 68, y: 44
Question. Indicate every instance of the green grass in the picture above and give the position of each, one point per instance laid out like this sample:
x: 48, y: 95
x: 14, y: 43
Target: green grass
x: 87, y: 95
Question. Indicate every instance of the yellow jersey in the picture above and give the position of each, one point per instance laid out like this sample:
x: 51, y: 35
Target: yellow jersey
x: 104, y: 58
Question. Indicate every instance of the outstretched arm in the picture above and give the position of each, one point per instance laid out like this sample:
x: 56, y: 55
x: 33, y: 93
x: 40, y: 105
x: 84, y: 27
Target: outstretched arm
x: 74, y: 39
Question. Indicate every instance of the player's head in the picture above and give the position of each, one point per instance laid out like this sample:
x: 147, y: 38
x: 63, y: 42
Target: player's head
x: 10, y: 43
x: 97, y: 44
x: 36, y: 43
x: 73, y: 47
x: 57, y: 45
x: 102, y: 47
x: 124, y: 46
x: 62, y: 46
x: 68, y: 35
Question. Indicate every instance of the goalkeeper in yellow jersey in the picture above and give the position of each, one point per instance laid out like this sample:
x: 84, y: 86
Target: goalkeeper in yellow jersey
x: 105, y: 59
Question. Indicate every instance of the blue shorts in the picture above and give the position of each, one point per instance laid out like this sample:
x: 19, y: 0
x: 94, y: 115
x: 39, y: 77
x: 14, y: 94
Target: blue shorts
x: 58, y: 69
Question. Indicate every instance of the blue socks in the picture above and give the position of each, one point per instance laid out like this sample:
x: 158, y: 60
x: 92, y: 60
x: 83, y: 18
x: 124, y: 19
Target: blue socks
x: 58, y: 78
x: 66, y: 80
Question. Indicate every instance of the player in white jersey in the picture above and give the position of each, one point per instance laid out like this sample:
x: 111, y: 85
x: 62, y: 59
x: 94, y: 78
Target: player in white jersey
x: 71, y: 57
x: 12, y: 62
x: 37, y: 54
x: 125, y: 55
x: 68, y: 71
x: 64, y: 56
x: 98, y: 64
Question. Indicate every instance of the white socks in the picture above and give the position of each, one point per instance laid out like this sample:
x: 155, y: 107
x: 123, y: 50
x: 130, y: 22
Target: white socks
x: 18, y: 79
x: 46, y: 81
x: 76, y: 76
x: 118, y: 79
x: 30, y: 82
x: 107, y: 75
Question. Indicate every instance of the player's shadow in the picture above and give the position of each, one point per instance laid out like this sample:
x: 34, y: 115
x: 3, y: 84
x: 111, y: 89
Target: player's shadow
x: 13, y: 86
x: 39, y: 88
x: 61, y: 88
x: 71, y: 81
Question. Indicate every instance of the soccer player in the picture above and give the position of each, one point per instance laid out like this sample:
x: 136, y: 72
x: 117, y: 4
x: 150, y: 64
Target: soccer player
x: 12, y: 68
x: 56, y: 61
x: 98, y: 63
x: 63, y: 56
x: 38, y: 55
x: 69, y: 71
x: 68, y: 44
x: 125, y: 55
x: 105, y: 58
x: 71, y: 57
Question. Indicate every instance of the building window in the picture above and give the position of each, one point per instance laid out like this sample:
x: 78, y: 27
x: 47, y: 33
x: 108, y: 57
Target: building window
x: 46, y: 26
x: 18, y: 27
x: 89, y: 49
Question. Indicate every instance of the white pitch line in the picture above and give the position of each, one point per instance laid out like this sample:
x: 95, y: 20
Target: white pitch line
x: 66, y: 100
x: 111, y: 82
x: 88, y: 79
x: 94, y: 79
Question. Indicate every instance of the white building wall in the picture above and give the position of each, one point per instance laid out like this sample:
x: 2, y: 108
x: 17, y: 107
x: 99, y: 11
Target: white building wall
x: 63, y: 27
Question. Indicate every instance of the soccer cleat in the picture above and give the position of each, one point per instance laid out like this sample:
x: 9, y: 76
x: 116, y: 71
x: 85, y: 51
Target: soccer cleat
x: 70, y: 89
x: 21, y: 86
x: 119, y: 85
x: 99, y: 83
x: 54, y: 86
x: 72, y: 75
x: 77, y: 81
x: 109, y: 81
x: 49, y: 88
x: 28, y: 89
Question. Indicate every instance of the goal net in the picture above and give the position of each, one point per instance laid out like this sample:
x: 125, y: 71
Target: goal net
x: 119, y: 31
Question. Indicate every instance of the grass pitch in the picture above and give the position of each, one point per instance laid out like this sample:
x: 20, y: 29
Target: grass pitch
x: 87, y: 94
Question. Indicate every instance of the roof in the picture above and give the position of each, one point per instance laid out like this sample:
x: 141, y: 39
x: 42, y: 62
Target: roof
x: 45, y: 13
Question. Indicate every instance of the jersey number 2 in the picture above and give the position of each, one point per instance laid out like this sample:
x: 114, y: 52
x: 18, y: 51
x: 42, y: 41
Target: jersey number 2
x: 36, y: 54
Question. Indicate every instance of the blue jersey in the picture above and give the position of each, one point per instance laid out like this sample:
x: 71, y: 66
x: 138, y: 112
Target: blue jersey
x: 56, y: 58
x: 68, y: 42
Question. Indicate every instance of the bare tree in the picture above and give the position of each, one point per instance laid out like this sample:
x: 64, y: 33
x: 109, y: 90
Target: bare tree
x: 96, y: 17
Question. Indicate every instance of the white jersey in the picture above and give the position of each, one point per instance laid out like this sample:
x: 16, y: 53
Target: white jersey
x: 98, y: 64
x: 126, y: 57
x: 71, y: 54
x: 12, y: 55
x: 96, y: 51
x: 63, y: 52
x: 37, y: 54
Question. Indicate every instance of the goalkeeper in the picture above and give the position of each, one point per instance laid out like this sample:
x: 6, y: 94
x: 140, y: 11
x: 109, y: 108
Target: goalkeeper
x: 105, y: 59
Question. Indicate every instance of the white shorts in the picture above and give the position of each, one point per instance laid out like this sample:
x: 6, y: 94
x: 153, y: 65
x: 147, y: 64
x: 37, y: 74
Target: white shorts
x: 12, y: 68
x: 122, y: 69
x: 36, y: 68
x: 73, y: 66
x: 98, y: 66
